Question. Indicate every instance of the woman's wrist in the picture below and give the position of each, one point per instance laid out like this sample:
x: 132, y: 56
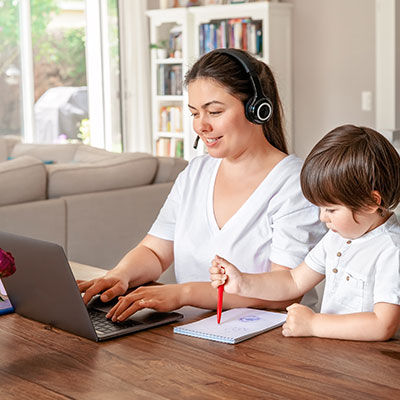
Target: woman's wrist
x: 314, y: 324
x: 185, y: 293
x: 120, y: 274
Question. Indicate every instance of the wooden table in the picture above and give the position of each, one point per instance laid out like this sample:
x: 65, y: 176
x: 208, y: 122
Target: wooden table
x: 37, y: 362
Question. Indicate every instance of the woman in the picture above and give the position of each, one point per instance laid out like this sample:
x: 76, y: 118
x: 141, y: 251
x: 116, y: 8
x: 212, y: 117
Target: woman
x: 242, y: 201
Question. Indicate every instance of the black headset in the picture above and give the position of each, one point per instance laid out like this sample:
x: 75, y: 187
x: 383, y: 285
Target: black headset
x: 257, y: 108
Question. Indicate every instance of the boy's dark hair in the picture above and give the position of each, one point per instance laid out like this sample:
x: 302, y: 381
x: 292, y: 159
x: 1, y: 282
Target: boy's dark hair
x: 228, y: 73
x: 347, y: 164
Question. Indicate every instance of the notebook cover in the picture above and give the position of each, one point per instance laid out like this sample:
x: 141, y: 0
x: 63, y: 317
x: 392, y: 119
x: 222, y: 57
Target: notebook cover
x: 5, y: 304
x: 236, y: 325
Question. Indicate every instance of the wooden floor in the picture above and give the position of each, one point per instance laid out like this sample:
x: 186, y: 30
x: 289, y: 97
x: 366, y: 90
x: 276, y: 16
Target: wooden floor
x: 37, y: 362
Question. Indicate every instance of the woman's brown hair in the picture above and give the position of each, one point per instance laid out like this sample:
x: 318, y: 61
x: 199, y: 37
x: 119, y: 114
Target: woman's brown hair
x: 347, y: 164
x: 230, y: 74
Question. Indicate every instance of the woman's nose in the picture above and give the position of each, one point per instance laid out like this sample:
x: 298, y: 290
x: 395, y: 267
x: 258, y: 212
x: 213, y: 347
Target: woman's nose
x: 202, y: 125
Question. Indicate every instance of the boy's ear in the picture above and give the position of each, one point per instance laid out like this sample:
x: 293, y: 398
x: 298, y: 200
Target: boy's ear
x: 376, y: 196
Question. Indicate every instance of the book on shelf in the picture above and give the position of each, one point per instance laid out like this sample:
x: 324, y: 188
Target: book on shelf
x: 170, y: 80
x: 240, y: 33
x: 169, y: 147
x: 170, y: 119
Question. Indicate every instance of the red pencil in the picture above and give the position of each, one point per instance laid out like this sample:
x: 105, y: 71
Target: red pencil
x: 220, y: 299
x: 219, y: 304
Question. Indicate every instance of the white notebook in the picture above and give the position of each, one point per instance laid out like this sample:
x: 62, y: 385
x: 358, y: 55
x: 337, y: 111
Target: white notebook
x: 236, y: 325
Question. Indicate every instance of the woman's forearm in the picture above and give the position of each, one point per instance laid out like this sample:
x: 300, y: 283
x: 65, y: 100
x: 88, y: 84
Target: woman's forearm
x: 139, y: 266
x: 203, y: 295
x: 146, y: 262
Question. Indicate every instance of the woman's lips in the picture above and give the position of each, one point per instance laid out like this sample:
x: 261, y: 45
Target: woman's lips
x: 212, y: 141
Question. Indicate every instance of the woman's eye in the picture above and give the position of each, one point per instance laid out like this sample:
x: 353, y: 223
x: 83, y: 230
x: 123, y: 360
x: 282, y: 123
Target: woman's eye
x: 193, y: 115
x: 214, y: 112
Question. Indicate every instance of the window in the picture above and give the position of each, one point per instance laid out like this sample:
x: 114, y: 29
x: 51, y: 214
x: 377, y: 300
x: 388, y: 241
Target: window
x: 43, y: 49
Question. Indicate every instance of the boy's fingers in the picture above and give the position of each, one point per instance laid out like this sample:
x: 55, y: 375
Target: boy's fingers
x: 294, y: 305
x: 214, y: 284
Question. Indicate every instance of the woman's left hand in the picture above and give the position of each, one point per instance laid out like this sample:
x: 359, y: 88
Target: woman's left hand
x: 298, y: 321
x: 159, y: 297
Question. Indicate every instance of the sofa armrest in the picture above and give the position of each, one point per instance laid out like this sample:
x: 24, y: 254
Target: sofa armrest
x: 169, y: 168
x: 22, y: 180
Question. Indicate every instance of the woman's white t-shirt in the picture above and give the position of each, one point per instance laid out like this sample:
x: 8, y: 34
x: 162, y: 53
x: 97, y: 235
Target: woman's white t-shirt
x: 276, y: 223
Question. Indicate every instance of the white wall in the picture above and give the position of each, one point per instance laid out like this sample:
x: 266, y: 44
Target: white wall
x: 334, y: 61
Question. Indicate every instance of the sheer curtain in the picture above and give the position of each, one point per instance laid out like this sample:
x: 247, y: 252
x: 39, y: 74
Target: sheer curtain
x: 135, y: 69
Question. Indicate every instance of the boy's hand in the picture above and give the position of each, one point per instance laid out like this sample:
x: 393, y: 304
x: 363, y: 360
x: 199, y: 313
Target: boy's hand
x: 298, y: 321
x: 232, y: 278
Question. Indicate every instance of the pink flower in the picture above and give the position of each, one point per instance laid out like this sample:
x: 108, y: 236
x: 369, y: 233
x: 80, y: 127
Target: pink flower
x: 7, y: 264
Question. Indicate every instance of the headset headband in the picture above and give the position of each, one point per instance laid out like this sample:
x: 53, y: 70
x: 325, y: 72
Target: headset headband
x: 244, y: 61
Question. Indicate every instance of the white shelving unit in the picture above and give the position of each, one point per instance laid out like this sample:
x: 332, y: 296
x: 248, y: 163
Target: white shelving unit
x: 276, y: 52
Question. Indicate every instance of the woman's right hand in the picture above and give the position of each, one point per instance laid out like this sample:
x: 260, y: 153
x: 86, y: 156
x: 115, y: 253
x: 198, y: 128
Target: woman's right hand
x: 111, y: 284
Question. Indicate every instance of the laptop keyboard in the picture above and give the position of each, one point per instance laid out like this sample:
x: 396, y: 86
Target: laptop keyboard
x: 104, y: 325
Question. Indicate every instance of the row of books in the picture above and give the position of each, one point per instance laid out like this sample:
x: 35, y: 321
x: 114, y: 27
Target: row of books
x: 171, y: 119
x: 169, y: 147
x: 169, y: 79
x: 239, y: 33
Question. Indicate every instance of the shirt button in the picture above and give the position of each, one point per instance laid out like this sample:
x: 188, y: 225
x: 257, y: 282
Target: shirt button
x: 348, y: 242
x: 339, y: 254
x: 335, y: 270
x: 347, y: 278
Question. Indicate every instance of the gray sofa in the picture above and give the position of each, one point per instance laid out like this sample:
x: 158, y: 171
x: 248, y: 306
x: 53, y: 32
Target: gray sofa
x: 94, y: 203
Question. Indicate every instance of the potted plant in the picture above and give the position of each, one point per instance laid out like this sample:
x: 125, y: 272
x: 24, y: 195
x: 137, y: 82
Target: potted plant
x: 160, y: 48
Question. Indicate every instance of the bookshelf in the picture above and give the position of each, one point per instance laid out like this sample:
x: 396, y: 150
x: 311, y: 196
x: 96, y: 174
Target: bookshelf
x: 262, y: 28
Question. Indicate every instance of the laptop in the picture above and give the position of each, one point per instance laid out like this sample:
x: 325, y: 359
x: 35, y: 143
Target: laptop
x: 44, y: 289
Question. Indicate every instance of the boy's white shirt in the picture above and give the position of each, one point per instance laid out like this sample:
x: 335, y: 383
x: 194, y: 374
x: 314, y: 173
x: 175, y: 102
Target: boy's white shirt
x: 276, y: 224
x: 359, y: 272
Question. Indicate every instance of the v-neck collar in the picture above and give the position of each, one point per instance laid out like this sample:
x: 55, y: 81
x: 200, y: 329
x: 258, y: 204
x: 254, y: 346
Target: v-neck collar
x: 251, y: 202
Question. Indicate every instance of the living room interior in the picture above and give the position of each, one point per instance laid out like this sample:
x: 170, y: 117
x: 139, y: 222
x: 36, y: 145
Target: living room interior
x: 81, y: 162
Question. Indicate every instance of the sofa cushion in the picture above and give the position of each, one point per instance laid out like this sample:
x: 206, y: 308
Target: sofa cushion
x: 58, y: 153
x: 90, y: 154
x: 104, y: 226
x: 169, y: 168
x: 43, y: 220
x: 22, y: 179
x: 120, y: 171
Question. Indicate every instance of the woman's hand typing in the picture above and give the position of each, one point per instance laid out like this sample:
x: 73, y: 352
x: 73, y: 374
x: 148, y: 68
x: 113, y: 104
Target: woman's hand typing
x: 159, y: 297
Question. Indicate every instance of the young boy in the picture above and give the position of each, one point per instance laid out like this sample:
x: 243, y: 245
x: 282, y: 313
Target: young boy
x: 353, y: 175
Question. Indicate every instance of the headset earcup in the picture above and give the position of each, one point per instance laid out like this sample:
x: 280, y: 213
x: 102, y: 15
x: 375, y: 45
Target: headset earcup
x: 258, y: 111
x: 249, y: 108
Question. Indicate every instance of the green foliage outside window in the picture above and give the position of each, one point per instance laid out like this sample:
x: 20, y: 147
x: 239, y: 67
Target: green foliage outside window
x: 64, y: 48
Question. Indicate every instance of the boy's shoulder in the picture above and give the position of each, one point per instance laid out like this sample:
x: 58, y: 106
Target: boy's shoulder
x: 392, y: 231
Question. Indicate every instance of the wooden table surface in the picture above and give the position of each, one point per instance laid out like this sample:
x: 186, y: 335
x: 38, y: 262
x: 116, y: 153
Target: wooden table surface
x: 39, y: 362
